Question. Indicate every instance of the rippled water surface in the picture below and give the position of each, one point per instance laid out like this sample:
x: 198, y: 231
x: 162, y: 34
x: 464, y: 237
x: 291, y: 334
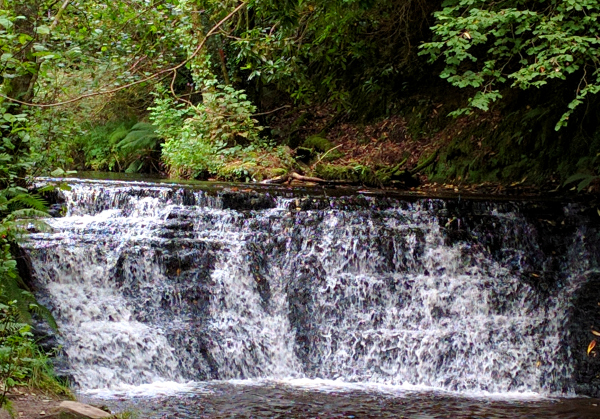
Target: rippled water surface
x: 316, y: 399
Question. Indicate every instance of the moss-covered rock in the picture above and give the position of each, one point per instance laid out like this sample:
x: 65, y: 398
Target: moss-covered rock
x: 305, y: 154
x: 315, y: 145
x: 318, y: 143
x: 353, y: 174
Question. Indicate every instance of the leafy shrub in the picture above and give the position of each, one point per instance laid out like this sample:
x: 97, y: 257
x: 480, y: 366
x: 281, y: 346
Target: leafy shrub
x: 21, y: 361
x: 200, y: 139
x: 138, y: 147
x: 518, y: 43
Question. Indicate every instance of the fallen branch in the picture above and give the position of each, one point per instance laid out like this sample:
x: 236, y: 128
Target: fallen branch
x: 296, y: 176
x: 428, y: 162
x: 276, y: 180
x: 398, y: 177
x: 273, y: 111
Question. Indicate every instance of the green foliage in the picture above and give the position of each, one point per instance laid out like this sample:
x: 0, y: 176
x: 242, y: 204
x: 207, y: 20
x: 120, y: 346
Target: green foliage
x: 588, y: 172
x: 99, y: 145
x: 521, y: 43
x: 357, y: 173
x: 140, y: 137
x: 138, y: 146
x: 186, y: 155
x: 199, y: 139
x: 19, y: 212
x: 582, y: 180
x: 14, y: 142
x: 21, y: 361
x: 113, y: 146
x: 347, y: 52
x: 318, y: 143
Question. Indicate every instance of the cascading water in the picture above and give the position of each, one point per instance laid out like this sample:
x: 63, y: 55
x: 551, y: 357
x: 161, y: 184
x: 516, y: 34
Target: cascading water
x: 153, y: 282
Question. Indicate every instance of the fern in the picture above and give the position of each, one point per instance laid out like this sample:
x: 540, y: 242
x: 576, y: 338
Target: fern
x: 9, y: 328
x: 20, y: 211
x: 583, y: 179
x: 142, y: 136
x: 135, y: 166
x: 138, y: 146
x: 26, y: 214
x: 14, y: 291
x: 118, y: 134
x: 26, y: 200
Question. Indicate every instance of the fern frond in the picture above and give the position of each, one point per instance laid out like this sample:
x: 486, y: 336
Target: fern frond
x: 13, y: 191
x: 13, y: 289
x: 139, y: 140
x: 11, y: 327
x: 117, y: 135
x: 135, y: 166
x: 142, y: 136
x: 45, y: 315
x: 143, y: 126
x: 26, y: 214
x: 26, y: 200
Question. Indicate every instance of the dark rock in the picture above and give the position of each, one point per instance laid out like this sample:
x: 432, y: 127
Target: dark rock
x: 244, y: 201
x: 584, y: 318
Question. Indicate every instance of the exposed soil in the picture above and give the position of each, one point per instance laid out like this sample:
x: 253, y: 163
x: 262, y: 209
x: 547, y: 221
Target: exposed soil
x: 387, y: 142
x: 379, y: 143
x: 30, y: 403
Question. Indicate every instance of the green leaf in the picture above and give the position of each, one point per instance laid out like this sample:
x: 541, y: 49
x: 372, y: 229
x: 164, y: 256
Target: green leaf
x: 43, y: 30
x: 57, y: 172
x: 5, y: 22
x: 577, y: 177
x: 9, y: 117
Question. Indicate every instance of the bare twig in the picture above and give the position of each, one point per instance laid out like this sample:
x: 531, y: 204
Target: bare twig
x: 273, y: 111
x: 324, y: 154
x: 59, y: 14
x: 172, y: 87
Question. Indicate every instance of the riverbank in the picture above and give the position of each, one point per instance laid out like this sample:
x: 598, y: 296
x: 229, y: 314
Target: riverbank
x: 30, y: 403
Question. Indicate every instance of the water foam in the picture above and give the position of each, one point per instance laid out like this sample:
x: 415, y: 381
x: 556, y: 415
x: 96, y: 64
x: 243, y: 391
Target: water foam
x: 157, y: 284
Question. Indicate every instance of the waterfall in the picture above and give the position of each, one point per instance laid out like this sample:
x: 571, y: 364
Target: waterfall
x: 152, y: 282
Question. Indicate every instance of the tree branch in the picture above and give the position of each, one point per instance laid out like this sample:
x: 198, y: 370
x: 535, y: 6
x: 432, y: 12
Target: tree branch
x: 151, y: 77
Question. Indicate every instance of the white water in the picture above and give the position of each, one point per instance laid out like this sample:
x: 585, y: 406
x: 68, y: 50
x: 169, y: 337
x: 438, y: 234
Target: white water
x: 353, y: 295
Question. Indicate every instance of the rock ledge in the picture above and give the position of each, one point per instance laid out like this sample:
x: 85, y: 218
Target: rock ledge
x: 83, y: 411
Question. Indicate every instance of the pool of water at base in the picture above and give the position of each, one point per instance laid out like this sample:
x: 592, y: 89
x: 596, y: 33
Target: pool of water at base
x: 330, y: 400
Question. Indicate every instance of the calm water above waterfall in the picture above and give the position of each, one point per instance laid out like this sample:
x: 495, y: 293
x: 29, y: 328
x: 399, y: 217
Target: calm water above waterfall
x: 269, y: 303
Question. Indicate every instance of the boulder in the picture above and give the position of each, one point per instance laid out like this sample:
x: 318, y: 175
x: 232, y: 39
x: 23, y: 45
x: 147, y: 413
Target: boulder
x: 83, y: 411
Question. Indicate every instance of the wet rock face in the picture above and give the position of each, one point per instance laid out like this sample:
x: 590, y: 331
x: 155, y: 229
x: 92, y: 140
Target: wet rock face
x: 56, y: 202
x: 246, y: 201
x: 585, y: 318
x: 557, y: 249
x: 536, y: 250
x: 308, y: 274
